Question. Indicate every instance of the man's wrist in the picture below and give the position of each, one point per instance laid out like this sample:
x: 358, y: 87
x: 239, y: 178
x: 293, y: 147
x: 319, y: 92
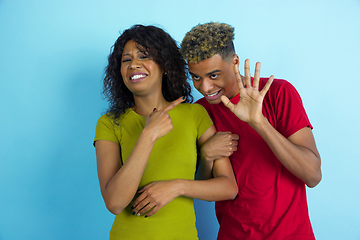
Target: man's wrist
x: 257, y: 126
x: 204, y: 156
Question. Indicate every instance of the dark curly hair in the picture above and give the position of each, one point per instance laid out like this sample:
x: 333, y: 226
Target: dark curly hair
x: 162, y: 49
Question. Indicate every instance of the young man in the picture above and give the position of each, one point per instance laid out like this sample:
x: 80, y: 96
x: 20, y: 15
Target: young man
x: 276, y: 153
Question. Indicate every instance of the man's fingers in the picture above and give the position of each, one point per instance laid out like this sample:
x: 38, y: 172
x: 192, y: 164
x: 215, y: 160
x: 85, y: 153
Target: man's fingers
x: 173, y: 104
x: 222, y: 133
x: 227, y: 102
x: 247, y: 73
x: 234, y: 137
x: 267, y: 86
x: 238, y: 76
x: 257, y: 76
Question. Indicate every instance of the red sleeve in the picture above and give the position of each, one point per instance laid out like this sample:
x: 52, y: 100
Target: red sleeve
x: 287, y: 108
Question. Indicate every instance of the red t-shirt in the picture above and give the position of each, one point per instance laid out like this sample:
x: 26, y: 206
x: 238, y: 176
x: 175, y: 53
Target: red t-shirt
x: 271, y: 203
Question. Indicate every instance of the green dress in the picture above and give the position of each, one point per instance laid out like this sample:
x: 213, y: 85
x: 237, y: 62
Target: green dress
x: 173, y: 157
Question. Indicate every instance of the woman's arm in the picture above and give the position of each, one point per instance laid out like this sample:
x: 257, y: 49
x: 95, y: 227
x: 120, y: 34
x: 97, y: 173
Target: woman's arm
x: 222, y: 187
x: 119, y: 183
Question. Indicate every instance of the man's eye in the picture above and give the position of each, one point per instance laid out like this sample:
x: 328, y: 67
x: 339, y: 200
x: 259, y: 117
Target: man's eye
x: 196, y: 78
x: 213, y: 76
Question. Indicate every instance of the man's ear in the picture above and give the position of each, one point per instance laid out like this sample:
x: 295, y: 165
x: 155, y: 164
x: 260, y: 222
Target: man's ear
x: 235, y: 59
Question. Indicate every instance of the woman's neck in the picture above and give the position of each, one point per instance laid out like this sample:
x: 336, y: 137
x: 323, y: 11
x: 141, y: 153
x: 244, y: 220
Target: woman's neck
x: 145, y: 105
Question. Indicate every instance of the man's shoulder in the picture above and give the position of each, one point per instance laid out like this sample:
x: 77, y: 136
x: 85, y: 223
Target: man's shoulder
x: 277, y: 83
x: 209, y: 107
x: 202, y: 101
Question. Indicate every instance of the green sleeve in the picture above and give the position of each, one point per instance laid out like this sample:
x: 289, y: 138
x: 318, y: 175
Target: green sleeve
x: 202, y: 119
x: 106, y: 129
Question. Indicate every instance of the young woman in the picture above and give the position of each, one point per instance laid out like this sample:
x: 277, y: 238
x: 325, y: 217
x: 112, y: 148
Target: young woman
x: 146, y: 144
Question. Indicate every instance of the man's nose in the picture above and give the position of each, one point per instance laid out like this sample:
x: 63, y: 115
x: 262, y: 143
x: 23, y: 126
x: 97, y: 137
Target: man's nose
x: 206, y: 85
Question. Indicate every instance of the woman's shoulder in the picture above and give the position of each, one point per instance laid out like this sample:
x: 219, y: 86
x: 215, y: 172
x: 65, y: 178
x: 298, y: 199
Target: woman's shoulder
x: 193, y: 107
x: 191, y: 110
x: 190, y: 106
x: 112, y: 117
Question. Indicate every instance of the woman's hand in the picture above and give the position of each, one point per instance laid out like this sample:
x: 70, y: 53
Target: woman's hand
x: 154, y: 196
x: 119, y: 182
x: 159, y: 121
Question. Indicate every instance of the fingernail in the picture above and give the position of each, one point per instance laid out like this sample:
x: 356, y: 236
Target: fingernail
x: 154, y: 109
x: 138, y: 214
x: 146, y: 216
x: 131, y: 207
x: 183, y: 98
x: 133, y: 213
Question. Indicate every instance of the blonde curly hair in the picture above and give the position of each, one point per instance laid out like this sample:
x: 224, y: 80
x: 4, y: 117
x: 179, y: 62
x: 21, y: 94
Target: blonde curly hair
x: 205, y: 40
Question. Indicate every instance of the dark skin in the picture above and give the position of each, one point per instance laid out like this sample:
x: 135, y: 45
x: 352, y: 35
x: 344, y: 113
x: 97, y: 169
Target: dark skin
x: 119, y: 182
x: 298, y: 153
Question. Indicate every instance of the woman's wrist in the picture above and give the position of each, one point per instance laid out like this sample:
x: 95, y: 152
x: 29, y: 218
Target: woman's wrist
x: 179, y: 187
x: 149, y: 135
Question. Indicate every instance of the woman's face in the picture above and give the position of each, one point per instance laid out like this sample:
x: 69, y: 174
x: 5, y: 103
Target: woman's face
x: 141, y: 75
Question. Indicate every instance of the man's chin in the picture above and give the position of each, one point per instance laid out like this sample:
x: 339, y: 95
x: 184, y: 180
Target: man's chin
x: 216, y: 99
x: 213, y: 101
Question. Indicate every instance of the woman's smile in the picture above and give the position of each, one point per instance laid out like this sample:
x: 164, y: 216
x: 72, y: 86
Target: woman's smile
x: 140, y: 73
x: 137, y: 76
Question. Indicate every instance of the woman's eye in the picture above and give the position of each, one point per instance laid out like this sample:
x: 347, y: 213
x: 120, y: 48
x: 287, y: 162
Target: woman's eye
x: 143, y: 56
x: 126, y: 60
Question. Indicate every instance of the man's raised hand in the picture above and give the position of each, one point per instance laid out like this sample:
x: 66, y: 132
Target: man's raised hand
x: 249, y: 107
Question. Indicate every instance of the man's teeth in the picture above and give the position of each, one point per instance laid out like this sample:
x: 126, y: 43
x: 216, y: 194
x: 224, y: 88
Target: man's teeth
x: 137, y: 77
x: 211, y: 95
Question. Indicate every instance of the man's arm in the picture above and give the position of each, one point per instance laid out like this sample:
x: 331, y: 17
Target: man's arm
x: 298, y: 153
x: 222, y: 144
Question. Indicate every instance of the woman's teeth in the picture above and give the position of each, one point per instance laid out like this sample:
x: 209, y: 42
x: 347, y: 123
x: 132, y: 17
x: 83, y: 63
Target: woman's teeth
x: 137, y: 77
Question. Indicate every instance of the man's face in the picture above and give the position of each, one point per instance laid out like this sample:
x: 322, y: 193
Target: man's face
x: 214, y: 77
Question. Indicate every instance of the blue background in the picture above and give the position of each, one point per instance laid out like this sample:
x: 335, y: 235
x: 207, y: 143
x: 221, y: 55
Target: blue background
x: 52, y: 57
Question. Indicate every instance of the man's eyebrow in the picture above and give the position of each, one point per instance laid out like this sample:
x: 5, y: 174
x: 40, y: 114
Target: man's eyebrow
x: 212, y: 72
x: 192, y: 74
x: 207, y: 74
